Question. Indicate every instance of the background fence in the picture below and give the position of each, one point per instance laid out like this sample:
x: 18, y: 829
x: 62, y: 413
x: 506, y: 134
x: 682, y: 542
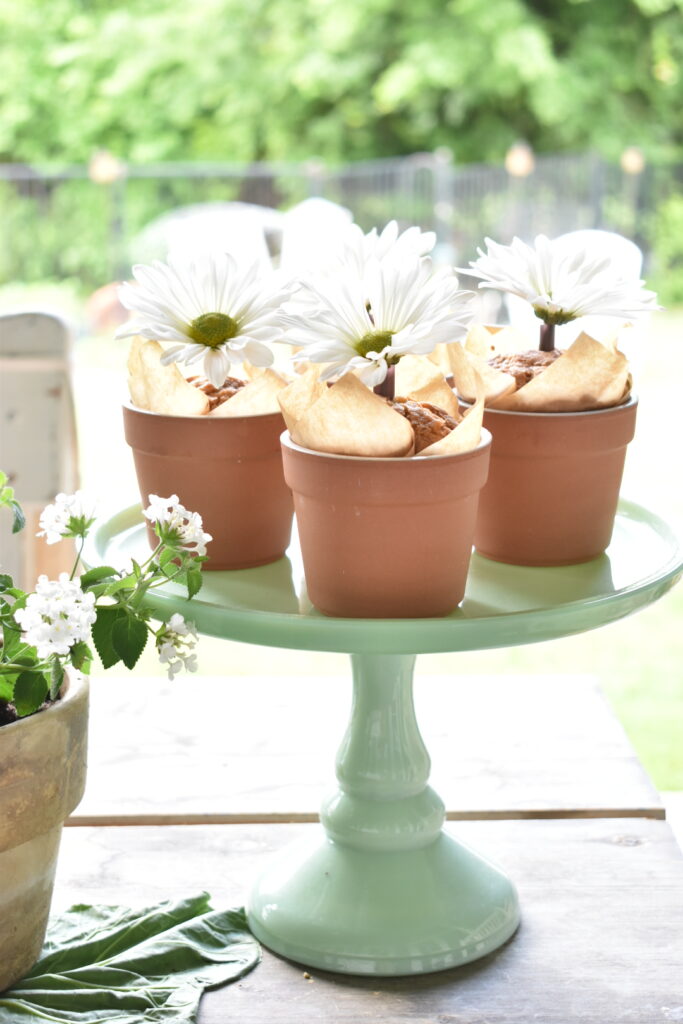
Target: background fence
x: 86, y: 224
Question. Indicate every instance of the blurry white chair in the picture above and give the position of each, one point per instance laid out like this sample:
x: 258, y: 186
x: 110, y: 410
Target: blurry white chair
x: 238, y: 228
x: 311, y: 230
x: 623, y: 253
x: 37, y: 436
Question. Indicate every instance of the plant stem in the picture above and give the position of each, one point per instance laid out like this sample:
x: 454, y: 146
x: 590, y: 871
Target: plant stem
x: 153, y: 555
x: 547, y: 343
x: 78, y: 558
x: 10, y: 667
x: 387, y: 387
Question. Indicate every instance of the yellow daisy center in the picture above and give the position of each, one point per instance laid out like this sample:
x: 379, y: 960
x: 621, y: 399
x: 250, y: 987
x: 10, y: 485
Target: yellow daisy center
x: 212, y: 329
x: 374, y: 341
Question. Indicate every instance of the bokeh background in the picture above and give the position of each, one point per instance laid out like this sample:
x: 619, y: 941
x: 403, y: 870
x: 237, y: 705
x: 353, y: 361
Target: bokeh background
x: 121, y: 120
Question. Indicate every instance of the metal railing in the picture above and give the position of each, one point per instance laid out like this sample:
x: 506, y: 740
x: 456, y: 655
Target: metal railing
x: 63, y: 224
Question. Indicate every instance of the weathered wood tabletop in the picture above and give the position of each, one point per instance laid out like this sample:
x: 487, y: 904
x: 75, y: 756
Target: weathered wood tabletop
x: 601, y: 940
x: 600, y: 876
x: 501, y: 747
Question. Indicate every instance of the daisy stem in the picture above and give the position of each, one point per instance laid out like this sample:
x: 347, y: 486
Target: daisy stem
x: 547, y: 342
x: 387, y: 387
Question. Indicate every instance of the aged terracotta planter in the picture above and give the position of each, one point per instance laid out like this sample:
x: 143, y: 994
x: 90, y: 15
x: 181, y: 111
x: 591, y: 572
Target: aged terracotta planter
x: 553, y: 486
x: 385, y: 538
x: 229, y: 469
x: 42, y: 778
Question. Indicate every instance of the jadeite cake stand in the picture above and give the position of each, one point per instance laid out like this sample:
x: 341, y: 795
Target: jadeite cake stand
x: 380, y: 888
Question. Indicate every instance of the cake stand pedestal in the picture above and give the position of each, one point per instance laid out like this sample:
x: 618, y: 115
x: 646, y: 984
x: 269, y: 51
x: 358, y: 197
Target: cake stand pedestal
x: 381, y: 888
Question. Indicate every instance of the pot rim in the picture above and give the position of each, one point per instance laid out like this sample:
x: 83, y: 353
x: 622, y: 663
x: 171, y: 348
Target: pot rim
x: 127, y: 404
x: 632, y: 401
x: 484, y: 442
x: 74, y: 684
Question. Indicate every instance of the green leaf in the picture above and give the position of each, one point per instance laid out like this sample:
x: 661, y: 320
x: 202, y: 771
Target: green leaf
x: 127, y: 583
x: 30, y: 690
x: 194, y: 582
x: 7, y: 687
x: 101, y: 633
x: 157, y: 960
x: 102, y: 572
x: 128, y: 637
x: 81, y: 656
x: 13, y: 645
x: 18, y: 517
x: 137, y: 569
x: 5, y: 582
x: 56, y: 678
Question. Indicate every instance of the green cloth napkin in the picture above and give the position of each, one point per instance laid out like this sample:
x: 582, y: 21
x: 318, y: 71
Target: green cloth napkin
x: 114, y: 964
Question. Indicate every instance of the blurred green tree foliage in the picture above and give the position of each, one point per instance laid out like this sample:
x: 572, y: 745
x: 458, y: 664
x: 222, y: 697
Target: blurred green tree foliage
x: 249, y: 80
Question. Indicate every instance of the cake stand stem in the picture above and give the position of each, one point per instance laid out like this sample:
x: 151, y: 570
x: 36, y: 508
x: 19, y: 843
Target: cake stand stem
x: 383, y: 801
x: 381, y: 888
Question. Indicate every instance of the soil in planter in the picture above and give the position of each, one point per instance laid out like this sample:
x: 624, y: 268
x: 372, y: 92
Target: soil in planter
x: 524, y: 366
x: 8, y: 712
x: 430, y: 423
x: 217, y: 396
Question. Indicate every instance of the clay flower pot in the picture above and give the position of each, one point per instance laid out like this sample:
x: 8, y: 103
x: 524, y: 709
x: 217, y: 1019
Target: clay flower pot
x: 553, y: 486
x: 229, y: 469
x: 42, y: 778
x: 385, y: 538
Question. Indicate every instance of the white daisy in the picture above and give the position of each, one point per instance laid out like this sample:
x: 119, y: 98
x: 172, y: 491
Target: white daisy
x: 217, y: 311
x: 367, y: 323
x: 561, y: 285
x: 362, y: 250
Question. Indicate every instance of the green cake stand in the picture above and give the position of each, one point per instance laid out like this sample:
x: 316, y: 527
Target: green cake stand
x: 380, y: 888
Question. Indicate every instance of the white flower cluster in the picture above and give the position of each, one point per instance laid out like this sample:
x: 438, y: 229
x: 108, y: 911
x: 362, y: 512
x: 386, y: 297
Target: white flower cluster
x: 176, y: 645
x: 381, y: 300
x: 56, y: 616
x: 70, y: 515
x: 561, y: 283
x: 176, y: 526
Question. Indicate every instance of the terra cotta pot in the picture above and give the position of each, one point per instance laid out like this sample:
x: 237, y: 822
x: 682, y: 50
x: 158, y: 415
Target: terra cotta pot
x: 553, y: 486
x: 229, y: 469
x: 42, y: 778
x: 385, y: 538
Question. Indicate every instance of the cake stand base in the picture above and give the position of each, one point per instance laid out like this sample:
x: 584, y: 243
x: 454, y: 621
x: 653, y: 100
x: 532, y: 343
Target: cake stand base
x: 380, y: 913
x: 381, y: 889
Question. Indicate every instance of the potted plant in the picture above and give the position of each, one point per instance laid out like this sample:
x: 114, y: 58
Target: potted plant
x: 212, y: 439
x: 44, y: 660
x: 385, y: 482
x: 560, y: 421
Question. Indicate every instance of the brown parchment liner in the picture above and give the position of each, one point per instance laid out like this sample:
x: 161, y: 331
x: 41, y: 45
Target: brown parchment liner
x: 350, y: 419
x: 588, y: 375
x: 163, y: 389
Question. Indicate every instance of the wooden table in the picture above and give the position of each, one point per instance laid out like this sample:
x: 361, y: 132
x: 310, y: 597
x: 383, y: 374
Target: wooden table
x: 601, y: 941
x: 599, y: 874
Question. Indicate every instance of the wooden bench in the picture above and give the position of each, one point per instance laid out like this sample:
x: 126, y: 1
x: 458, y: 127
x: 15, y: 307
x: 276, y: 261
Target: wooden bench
x: 552, y: 749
